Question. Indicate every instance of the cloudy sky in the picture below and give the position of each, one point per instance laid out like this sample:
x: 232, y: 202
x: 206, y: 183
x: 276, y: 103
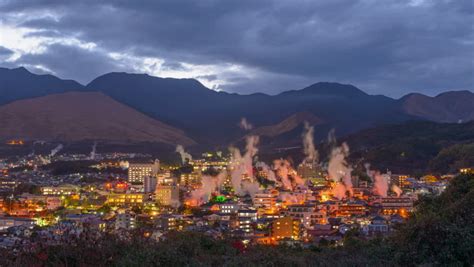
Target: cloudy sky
x: 389, y: 47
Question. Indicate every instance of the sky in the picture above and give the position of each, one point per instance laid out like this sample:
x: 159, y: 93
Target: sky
x: 390, y: 47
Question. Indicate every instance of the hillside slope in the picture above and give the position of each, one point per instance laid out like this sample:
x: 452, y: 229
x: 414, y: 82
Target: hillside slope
x: 76, y: 116
x: 446, y: 107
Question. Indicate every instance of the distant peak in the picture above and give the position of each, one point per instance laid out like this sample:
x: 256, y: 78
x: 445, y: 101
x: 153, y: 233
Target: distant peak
x: 456, y: 93
x: 460, y: 93
x: 17, y: 70
x: 331, y: 89
x: 21, y: 69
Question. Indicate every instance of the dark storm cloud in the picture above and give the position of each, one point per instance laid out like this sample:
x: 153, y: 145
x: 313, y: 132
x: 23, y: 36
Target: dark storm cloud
x: 384, y: 47
x: 72, y: 62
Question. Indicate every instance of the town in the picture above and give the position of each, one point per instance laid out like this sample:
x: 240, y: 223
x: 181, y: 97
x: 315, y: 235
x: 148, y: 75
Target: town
x: 219, y: 194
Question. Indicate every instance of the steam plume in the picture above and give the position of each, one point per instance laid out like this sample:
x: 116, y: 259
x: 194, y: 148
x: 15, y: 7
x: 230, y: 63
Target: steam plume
x: 94, y: 147
x: 397, y: 190
x: 270, y: 175
x: 287, y: 174
x: 184, y: 155
x: 56, y: 150
x: 380, y: 184
x: 210, y: 185
x: 244, y: 124
x: 124, y: 164
x: 308, y: 144
x: 242, y: 176
x: 340, y: 172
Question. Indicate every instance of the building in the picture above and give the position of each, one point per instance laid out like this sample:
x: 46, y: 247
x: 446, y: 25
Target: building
x: 397, y: 205
x: 167, y: 195
x: 138, y: 171
x: 125, y: 199
x: 149, y: 184
x: 166, y: 222
x: 245, y: 219
x: 308, y: 215
x: 62, y: 190
x: 311, y: 172
x: 190, y: 179
x: 126, y: 221
x: 116, y: 186
x: 353, y: 208
x: 7, y: 222
x: 266, y: 202
x: 400, y: 180
x: 228, y: 208
x: 285, y: 228
x: 378, y: 225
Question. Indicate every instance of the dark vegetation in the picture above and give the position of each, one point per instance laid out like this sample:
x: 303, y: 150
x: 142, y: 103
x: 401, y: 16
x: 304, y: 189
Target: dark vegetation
x: 69, y: 167
x: 439, y: 233
x: 415, y: 147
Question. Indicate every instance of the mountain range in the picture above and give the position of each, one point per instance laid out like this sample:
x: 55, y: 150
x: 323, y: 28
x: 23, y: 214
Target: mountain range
x: 184, y: 111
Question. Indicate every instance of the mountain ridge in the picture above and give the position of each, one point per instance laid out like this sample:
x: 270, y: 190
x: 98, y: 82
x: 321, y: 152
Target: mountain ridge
x: 211, y: 117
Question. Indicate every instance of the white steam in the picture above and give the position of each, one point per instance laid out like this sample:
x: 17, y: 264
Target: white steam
x: 210, y: 185
x: 56, y: 150
x: 381, y: 184
x: 184, y: 155
x: 93, y: 151
x: 244, y: 124
x: 340, y: 172
x: 242, y: 176
x: 397, y: 190
x: 308, y: 144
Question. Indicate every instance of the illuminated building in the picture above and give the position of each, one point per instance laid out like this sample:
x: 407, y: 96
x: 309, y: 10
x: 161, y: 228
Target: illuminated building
x: 167, y: 195
x: 166, y: 222
x: 266, y: 201
x: 353, y: 208
x: 125, y: 199
x: 245, y: 218
x: 228, y: 208
x: 15, y: 142
x: 190, y: 179
x: 397, y: 205
x: 138, y: 171
x: 149, y: 184
x: 117, y: 187
x: 285, y: 227
x: 62, y: 190
x: 7, y: 185
x: 125, y: 220
x: 378, y: 225
x: 308, y: 215
x: 429, y: 179
x: 205, y: 164
x: 7, y: 222
x: 400, y: 180
x: 312, y: 173
x: 466, y: 171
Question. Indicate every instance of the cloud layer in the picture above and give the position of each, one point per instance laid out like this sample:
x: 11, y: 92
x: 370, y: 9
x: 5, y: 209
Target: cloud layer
x: 385, y: 47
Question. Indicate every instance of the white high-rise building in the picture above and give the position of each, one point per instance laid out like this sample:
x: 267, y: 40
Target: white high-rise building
x: 138, y: 171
